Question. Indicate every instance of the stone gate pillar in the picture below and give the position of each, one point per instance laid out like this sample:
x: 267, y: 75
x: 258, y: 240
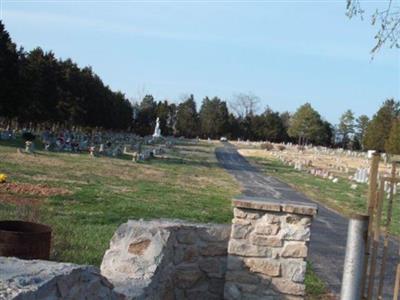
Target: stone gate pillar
x: 267, y: 249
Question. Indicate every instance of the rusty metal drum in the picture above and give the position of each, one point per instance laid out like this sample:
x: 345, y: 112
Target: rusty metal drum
x: 25, y: 240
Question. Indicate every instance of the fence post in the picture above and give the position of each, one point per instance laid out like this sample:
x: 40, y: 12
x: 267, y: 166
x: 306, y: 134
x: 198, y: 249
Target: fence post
x: 373, y: 182
x: 354, y: 260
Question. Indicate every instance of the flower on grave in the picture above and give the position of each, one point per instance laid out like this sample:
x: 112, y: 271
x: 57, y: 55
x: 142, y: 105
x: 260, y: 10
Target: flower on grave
x: 3, y: 178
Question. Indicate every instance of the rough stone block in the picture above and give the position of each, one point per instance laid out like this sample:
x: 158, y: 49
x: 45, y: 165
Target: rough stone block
x: 246, y: 213
x: 235, y: 262
x: 242, y: 277
x: 241, y: 221
x: 187, y: 276
x: 239, y: 213
x: 267, y: 229
x: 148, y: 258
x: 213, y: 249
x: 231, y: 292
x: 240, y: 231
x: 287, y: 286
x: 294, y: 249
x: 213, y: 266
x: 216, y: 286
x: 296, y: 219
x: 248, y: 288
x: 185, y: 253
x: 244, y: 248
x: 270, y: 218
x: 215, y: 233
x: 294, y: 270
x: 267, y: 241
x: 269, y: 267
x: 296, y: 233
x: 40, y: 279
x: 186, y: 236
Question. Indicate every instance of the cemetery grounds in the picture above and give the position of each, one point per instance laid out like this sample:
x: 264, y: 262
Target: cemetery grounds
x: 340, y: 195
x: 85, y: 199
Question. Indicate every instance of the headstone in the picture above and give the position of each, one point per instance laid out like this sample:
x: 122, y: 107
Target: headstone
x: 29, y: 146
x: 91, y: 150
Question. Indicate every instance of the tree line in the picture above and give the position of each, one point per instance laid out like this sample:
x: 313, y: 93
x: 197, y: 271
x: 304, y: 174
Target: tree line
x: 38, y: 88
x: 381, y: 133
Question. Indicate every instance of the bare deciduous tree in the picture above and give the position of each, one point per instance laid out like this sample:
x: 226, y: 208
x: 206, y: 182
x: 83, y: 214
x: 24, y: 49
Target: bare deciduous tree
x: 245, y: 104
x: 387, y: 20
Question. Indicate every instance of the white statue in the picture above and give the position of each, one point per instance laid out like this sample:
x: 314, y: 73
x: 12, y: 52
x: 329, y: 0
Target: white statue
x: 157, y: 130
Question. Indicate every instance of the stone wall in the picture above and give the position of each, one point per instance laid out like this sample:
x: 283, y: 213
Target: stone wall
x: 261, y: 256
x: 40, y: 279
x: 267, y: 250
x: 164, y: 259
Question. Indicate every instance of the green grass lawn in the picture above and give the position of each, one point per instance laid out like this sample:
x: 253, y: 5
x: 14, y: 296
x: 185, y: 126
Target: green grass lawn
x: 98, y: 194
x: 338, y: 196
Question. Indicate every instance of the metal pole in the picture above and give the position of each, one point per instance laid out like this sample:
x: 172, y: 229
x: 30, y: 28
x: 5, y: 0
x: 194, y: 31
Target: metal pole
x: 354, y: 261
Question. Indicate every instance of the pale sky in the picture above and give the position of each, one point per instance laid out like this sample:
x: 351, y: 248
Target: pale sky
x: 285, y: 52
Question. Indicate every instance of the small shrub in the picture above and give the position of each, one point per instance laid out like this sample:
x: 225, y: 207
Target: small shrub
x: 267, y: 146
x: 281, y: 147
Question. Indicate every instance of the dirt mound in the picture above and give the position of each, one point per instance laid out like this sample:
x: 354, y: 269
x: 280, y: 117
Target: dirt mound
x: 32, y: 189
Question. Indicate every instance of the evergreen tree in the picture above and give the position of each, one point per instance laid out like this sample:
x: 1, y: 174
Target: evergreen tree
x: 38, y: 88
x: 361, y: 127
x: 326, y: 135
x: 285, y: 117
x: 346, y: 128
x: 9, y: 76
x: 268, y: 126
x: 379, y: 128
x: 392, y: 144
x: 187, y: 119
x: 306, y: 125
x: 146, y: 118
x: 41, y: 77
x: 235, y: 131
x: 247, y: 127
x: 213, y: 118
x: 164, y: 113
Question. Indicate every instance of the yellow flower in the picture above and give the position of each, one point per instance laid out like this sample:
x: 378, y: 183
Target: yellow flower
x: 3, y: 178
